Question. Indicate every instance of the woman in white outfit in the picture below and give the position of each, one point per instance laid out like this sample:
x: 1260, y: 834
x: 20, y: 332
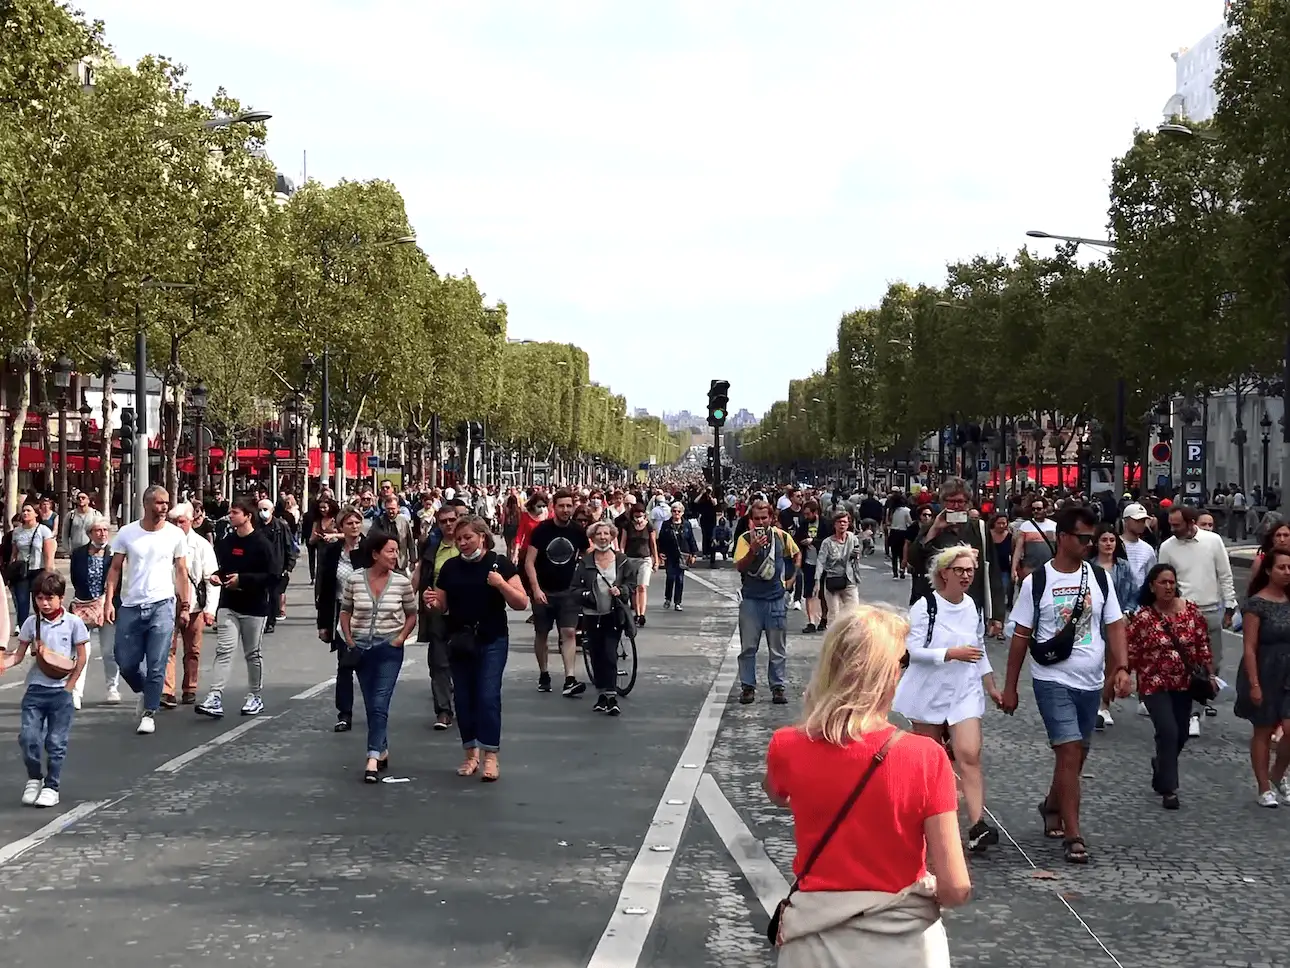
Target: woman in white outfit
x: 949, y: 675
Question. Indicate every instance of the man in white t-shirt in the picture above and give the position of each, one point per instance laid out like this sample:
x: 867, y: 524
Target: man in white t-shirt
x: 1034, y: 541
x: 1068, y: 692
x: 149, y: 566
x: 1142, y: 557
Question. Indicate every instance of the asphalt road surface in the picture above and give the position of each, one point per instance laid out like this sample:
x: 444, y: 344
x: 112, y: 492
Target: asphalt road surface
x: 643, y: 840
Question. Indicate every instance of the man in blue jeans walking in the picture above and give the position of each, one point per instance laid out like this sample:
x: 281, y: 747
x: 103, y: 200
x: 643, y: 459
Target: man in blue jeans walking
x: 762, y: 556
x: 149, y: 565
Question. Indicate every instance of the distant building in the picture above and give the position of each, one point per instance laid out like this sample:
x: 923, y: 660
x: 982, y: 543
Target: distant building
x: 1196, y: 70
x: 742, y: 420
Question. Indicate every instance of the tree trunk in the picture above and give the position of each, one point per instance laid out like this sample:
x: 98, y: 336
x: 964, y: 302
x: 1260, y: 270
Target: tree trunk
x: 15, y: 436
x: 105, y: 447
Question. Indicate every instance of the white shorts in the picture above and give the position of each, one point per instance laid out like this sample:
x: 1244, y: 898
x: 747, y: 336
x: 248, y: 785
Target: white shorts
x: 644, y: 570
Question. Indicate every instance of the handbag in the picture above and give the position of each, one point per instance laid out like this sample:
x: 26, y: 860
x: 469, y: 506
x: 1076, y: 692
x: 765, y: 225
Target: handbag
x: 90, y: 612
x: 835, y: 583
x: 1199, y: 685
x: 464, y: 643
x: 772, y: 931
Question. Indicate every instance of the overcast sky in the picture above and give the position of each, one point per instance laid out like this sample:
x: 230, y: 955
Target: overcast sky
x: 698, y: 188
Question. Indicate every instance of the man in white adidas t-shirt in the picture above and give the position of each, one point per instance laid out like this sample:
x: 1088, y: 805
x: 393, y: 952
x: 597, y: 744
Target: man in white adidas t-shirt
x: 1068, y: 693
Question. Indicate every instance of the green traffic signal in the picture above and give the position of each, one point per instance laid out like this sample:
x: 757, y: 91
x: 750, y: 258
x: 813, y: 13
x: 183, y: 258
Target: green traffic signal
x: 719, y: 414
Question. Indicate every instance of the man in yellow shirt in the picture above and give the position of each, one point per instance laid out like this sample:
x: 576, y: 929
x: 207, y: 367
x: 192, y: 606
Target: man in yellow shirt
x: 761, y: 556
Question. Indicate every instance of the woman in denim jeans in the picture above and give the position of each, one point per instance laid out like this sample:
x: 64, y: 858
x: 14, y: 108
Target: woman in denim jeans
x: 473, y: 590
x: 378, y: 611
x: 677, y: 548
x: 89, y: 568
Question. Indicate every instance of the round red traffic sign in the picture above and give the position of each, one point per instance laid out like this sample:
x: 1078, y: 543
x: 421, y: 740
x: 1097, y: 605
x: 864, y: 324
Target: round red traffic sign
x: 1161, y: 452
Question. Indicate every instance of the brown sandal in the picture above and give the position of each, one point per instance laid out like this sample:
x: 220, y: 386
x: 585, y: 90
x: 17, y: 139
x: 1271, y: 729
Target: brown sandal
x: 470, y: 765
x: 491, y: 771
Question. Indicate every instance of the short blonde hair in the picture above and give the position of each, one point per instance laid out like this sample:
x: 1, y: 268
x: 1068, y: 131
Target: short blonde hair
x: 944, y: 559
x: 851, y: 690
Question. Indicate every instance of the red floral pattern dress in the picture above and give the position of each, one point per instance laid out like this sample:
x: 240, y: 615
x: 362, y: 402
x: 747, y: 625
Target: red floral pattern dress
x: 1154, y: 656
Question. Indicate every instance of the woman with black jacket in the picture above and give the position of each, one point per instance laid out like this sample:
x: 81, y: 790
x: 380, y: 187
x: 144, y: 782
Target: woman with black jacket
x: 604, y: 585
x: 677, y: 548
x: 338, y: 558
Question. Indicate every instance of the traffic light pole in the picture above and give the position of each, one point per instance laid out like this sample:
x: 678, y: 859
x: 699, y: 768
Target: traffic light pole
x: 716, y: 489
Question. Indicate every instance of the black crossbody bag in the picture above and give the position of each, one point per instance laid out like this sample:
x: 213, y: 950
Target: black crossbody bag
x: 772, y: 931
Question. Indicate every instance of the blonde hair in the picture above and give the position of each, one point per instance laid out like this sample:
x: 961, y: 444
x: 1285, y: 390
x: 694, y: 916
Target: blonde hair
x: 943, y: 559
x: 851, y: 690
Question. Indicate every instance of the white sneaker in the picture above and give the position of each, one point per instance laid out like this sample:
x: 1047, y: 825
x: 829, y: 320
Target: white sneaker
x: 31, y: 791
x: 1143, y: 711
x: 47, y: 798
x: 147, y: 725
x: 113, y: 696
x: 1268, y: 798
x: 1193, y: 730
x: 1105, y: 716
x: 1283, y: 787
x: 76, y: 701
x: 797, y: 606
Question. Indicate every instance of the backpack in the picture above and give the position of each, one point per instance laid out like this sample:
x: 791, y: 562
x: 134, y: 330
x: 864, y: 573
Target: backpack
x: 930, y: 599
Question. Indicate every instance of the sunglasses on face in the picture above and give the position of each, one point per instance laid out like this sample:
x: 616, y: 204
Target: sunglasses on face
x: 1085, y: 539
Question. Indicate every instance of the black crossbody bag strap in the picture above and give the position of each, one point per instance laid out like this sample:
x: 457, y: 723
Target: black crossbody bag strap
x: 846, y: 809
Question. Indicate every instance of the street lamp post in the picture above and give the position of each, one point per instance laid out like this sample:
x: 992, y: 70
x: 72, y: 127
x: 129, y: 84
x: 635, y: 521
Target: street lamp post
x: 199, y: 402
x: 86, y: 478
x: 273, y: 442
x: 302, y: 430
x: 62, y: 380
x: 141, y: 469
x: 1265, y: 424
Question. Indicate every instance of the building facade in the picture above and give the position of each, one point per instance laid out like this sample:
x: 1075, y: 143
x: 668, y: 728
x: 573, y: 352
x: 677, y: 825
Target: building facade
x: 1195, y: 71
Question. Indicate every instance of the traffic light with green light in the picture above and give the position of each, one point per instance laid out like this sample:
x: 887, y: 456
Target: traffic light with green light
x: 718, y: 401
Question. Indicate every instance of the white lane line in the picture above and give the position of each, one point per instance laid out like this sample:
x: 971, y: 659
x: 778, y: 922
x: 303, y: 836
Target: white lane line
x: 624, y: 938
x: 60, y: 823
x: 315, y: 690
x: 755, y: 864
x: 183, y: 759
x: 12, y: 685
x: 728, y: 595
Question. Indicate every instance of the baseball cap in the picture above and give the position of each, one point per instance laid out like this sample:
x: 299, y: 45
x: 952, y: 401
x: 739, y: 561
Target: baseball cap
x: 1135, y: 511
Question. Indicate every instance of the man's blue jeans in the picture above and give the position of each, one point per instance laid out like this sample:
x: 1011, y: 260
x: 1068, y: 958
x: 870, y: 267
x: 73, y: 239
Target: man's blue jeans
x: 143, y: 635
x: 477, y: 686
x: 46, y: 721
x: 758, y: 615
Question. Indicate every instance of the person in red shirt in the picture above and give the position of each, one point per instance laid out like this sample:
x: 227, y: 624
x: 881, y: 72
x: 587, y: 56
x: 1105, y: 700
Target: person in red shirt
x: 905, y: 815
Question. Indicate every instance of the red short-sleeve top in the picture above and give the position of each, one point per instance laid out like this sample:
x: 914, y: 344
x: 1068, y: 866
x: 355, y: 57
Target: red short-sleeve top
x: 880, y: 845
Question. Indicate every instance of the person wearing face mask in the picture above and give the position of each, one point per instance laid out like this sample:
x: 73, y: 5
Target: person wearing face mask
x: 89, y: 568
x: 677, y: 548
x: 473, y: 590
x: 639, y: 543
x: 601, y: 583
x: 279, y: 538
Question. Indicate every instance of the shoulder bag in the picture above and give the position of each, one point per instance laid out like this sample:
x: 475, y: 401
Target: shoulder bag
x: 18, y: 568
x: 1199, y: 685
x: 772, y: 931
x: 838, y: 583
x: 1060, y: 646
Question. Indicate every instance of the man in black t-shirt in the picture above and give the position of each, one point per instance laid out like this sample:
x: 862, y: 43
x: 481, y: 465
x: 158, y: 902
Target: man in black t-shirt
x: 550, y: 562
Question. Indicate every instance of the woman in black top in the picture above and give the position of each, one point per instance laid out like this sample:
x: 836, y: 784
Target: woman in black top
x: 339, y: 557
x: 473, y: 590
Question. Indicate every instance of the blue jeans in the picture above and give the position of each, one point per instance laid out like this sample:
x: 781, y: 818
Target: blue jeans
x: 758, y: 615
x: 46, y: 721
x: 675, y: 586
x: 143, y: 636
x: 22, y: 601
x: 477, y: 687
x: 1069, y: 715
x: 378, y: 671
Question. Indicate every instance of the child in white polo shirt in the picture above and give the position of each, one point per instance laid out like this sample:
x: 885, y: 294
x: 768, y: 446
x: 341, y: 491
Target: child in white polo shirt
x: 47, y: 707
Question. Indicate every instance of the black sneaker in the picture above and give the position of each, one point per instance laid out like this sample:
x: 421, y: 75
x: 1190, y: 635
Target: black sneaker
x: 747, y: 694
x: 544, y: 682
x: 602, y: 704
x: 343, y: 724
x: 572, y: 687
x: 778, y: 697
x: 1170, y: 801
x: 1210, y: 710
x: 981, y: 836
x: 666, y: 606
x: 613, y: 709
x: 640, y: 620
x: 809, y: 628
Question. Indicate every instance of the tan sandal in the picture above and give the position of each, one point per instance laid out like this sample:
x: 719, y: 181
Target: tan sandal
x: 470, y: 765
x: 491, y: 770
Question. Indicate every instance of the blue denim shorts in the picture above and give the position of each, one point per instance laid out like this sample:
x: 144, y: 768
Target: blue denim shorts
x: 1069, y: 715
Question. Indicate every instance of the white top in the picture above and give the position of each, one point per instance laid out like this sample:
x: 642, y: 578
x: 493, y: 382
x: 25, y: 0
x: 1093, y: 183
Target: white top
x: 1086, y: 667
x: 150, y: 556
x: 659, y: 515
x: 1142, y: 558
x: 783, y: 502
x: 1203, y: 568
x: 934, y: 690
x: 901, y: 519
x: 201, y: 565
x: 29, y: 545
x: 1045, y: 527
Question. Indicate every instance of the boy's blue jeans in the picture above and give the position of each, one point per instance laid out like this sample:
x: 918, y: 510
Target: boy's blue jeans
x: 46, y: 721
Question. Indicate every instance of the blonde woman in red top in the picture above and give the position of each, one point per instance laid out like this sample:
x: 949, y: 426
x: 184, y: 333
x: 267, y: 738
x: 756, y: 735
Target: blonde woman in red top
x: 868, y: 897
